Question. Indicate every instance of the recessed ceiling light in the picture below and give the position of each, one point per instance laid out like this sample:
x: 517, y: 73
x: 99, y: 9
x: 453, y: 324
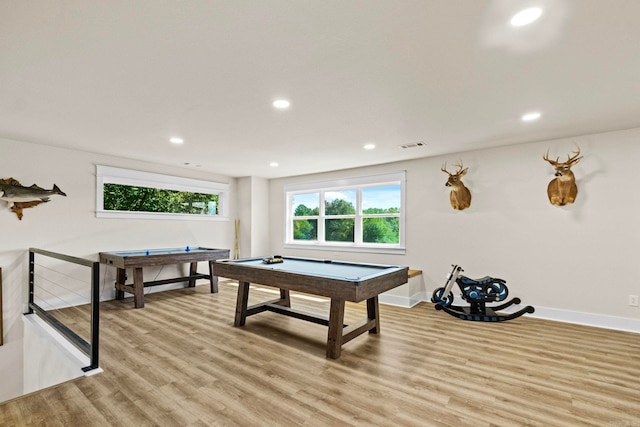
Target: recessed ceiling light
x: 525, y: 17
x: 274, y: 164
x: 176, y: 140
x: 369, y: 146
x: 529, y: 117
x: 281, y: 104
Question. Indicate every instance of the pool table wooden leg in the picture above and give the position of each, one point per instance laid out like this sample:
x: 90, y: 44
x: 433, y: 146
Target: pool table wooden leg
x: 285, y: 298
x: 241, y: 304
x: 138, y: 288
x: 373, y: 313
x: 336, y: 324
x: 213, y: 280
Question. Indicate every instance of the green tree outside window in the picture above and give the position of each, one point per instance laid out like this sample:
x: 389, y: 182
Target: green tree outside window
x: 129, y: 198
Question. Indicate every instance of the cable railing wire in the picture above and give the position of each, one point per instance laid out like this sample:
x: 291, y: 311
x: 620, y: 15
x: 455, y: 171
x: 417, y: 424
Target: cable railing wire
x: 70, y: 291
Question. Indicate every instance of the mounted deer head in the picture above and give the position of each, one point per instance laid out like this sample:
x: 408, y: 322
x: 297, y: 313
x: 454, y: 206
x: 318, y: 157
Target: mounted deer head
x: 460, y: 196
x: 563, y: 189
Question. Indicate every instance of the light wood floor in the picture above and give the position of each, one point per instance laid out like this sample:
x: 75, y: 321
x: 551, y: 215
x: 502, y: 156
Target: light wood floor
x: 180, y: 362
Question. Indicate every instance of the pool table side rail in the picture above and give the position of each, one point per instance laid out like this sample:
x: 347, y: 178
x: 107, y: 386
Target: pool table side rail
x: 315, y: 261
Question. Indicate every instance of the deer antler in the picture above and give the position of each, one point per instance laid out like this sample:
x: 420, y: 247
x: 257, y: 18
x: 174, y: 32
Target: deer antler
x: 572, y: 160
x: 459, y: 172
x: 546, y: 157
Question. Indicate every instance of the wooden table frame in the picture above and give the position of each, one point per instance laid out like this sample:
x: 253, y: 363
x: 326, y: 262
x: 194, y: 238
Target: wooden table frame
x: 157, y: 258
x: 339, y: 291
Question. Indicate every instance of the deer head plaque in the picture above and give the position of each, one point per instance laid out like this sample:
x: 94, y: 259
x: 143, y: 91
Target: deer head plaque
x: 460, y: 196
x: 563, y: 189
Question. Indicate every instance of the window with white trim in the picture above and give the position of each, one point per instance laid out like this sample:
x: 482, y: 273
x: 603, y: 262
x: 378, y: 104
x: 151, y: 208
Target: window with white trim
x: 126, y: 193
x: 359, y: 214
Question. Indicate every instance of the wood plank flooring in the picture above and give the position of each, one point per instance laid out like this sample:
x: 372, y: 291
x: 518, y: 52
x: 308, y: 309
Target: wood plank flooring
x: 181, y: 362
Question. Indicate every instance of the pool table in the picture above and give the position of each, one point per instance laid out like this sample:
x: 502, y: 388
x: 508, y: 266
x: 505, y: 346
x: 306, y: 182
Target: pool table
x: 136, y: 260
x: 340, y: 281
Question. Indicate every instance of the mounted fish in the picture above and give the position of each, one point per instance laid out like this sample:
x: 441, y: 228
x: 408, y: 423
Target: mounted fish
x: 20, y: 197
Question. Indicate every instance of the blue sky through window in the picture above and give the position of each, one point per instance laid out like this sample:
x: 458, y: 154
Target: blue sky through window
x: 310, y: 200
x: 348, y: 195
x: 381, y: 197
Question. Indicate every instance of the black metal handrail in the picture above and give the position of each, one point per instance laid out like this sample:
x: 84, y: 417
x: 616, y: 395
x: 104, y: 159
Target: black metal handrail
x: 90, y: 349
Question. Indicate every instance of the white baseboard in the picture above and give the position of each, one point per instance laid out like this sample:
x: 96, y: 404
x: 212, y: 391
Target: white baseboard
x: 588, y: 319
x: 395, y: 300
x: 401, y: 301
x: 567, y: 316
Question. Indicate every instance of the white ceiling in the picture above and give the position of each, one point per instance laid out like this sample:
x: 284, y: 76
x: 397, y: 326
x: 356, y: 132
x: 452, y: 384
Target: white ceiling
x: 123, y: 76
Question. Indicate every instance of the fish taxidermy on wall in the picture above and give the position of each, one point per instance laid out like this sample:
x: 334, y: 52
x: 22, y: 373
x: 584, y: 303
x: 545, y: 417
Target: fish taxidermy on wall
x: 460, y: 196
x: 20, y: 197
x: 563, y: 190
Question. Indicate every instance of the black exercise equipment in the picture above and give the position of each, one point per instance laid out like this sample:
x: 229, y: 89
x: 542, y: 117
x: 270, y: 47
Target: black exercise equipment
x: 477, y: 292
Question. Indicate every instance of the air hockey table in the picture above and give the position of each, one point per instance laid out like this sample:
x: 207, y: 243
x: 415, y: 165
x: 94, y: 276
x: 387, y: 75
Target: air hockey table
x: 136, y: 260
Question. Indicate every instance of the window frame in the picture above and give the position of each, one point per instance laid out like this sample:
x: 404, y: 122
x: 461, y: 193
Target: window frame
x: 357, y: 183
x: 113, y: 175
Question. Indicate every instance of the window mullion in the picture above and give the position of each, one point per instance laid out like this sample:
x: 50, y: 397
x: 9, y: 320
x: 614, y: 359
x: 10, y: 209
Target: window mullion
x: 321, y: 219
x: 357, y: 232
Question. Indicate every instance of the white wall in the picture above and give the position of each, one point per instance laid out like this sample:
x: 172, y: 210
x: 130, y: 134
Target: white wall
x: 252, y: 198
x: 244, y: 216
x: 59, y: 363
x: 69, y: 225
x: 575, y: 263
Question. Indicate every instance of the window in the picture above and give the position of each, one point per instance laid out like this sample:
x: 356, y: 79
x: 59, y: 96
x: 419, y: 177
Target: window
x: 360, y: 214
x: 134, y: 194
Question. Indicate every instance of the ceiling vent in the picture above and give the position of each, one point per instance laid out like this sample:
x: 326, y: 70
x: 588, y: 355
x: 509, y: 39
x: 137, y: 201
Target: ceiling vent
x: 414, y: 145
